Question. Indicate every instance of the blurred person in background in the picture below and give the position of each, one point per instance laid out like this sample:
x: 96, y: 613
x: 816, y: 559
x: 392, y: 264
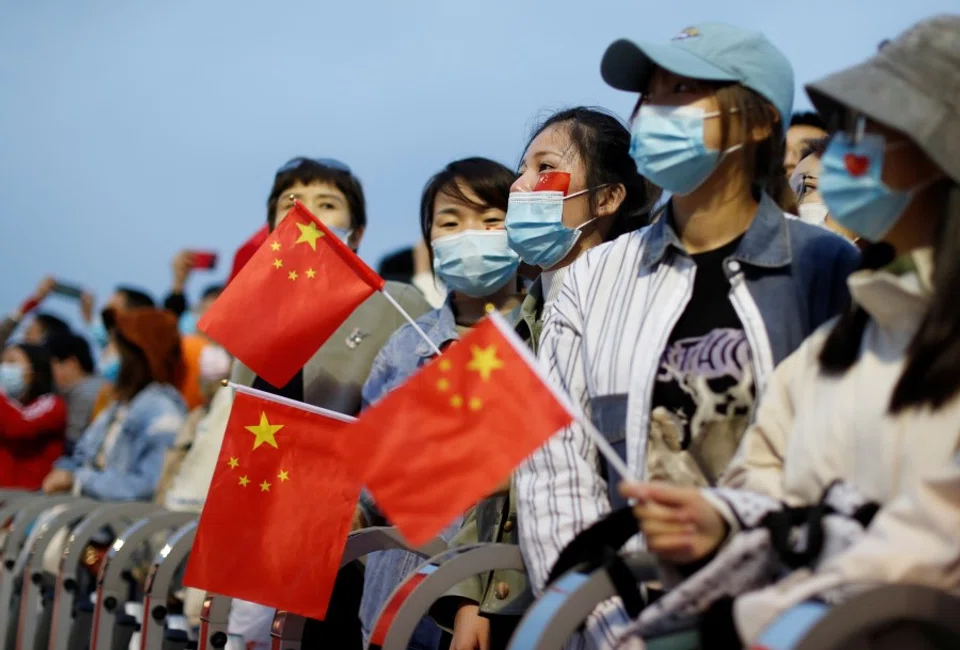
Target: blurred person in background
x: 804, y: 128
x: 120, y: 455
x: 75, y: 380
x: 33, y: 418
x: 805, y: 183
x: 412, y: 265
x: 41, y: 326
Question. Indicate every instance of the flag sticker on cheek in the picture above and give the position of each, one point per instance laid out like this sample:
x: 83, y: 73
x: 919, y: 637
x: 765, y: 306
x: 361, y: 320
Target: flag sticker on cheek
x: 553, y: 182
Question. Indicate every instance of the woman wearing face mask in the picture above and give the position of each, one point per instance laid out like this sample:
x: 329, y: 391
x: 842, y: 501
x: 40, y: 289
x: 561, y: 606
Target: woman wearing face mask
x: 33, y: 418
x: 667, y: 335
x: 873, y: 398
x: 582, y: 154
x: 119, y: 457
x: 805, y: 183
x: 461, y: 215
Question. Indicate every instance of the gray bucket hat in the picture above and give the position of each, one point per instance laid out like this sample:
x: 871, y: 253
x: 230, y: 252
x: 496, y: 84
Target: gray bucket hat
x: 912, y: 85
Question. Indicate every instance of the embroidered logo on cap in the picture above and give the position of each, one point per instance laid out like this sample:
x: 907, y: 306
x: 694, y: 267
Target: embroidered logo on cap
x: 689, y: 32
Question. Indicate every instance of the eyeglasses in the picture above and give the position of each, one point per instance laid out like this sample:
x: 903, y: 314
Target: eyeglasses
x: 331, y: 163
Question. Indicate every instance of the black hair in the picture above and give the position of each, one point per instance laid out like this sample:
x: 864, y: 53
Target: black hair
x: 816, y: 147
x: 213, y: 291
x: 931, y: 375
x: 71, y: 346
x: 41, y: 381
x: 602, y: 141
x: 487, y: 180
x: 136, y: 297
x: 51, y: 325
x: 397, y: 266
x: 809, y: 118
x: 308, y: 172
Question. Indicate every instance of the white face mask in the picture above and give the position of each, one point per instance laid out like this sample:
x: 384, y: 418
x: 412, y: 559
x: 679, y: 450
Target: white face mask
x: 814, y: 213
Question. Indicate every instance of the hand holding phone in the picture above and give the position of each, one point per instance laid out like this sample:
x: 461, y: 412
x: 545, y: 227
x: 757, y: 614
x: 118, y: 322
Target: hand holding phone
x: 67, y: 290
x: 206, y: 260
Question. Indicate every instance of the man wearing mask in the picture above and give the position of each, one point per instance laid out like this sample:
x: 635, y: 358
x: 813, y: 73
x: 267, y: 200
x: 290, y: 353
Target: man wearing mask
x: 73, y: 375
x: 333, y: 377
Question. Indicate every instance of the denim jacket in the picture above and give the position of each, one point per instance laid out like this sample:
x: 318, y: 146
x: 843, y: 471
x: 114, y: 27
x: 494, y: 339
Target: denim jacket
x: 606, y: 331
x: 133, y: 466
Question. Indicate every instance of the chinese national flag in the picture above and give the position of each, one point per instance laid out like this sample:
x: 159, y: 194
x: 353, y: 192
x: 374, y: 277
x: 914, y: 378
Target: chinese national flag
x: 295, y: 291
x: 279, y: 509
x: 469, y: 417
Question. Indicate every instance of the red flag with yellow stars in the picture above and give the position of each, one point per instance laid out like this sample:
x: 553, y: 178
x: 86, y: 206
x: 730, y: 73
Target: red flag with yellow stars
x: 455, y: 430
x: 279, y: 509
x: 292, y: 295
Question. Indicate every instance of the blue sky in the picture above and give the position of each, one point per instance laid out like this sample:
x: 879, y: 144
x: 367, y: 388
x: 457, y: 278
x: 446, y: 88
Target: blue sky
x: 129, y: 130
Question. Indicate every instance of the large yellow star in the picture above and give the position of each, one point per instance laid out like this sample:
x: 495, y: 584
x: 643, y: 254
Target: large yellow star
x: 484, y: 361
x: 264, y: 432
x: 309, y: 234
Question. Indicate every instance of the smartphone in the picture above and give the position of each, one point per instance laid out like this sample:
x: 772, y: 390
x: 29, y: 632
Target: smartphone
x: 67, y: 290
x: 204, y: 259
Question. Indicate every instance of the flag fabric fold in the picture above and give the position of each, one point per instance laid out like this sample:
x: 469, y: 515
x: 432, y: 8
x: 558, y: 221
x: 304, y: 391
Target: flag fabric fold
x: 292, y: 295
x: 279, y: 508
x: 453, y: 433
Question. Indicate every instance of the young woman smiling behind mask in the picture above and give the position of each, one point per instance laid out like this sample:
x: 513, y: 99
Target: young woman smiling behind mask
x: 582, y: 148
x: 872, y: 399
x: 665, y: 336
x: 462, y: 214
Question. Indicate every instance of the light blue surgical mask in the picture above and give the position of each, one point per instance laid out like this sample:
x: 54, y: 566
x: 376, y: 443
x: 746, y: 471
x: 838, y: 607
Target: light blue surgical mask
x: 667, y: 145
x: 535, y: 227
x: 12, y: 380
x: 343, y: 234
x: 187, y: 323
x: 110, y: 368
x: 475, y: 262
x: 99, y: 334
x: 852, y: 187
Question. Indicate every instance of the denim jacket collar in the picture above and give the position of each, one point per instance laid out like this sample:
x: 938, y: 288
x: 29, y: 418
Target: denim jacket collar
x: 440, y: 326
x: 765, y: 244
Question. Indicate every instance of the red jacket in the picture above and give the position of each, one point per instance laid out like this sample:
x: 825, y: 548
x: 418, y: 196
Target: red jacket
x: 31, y: 439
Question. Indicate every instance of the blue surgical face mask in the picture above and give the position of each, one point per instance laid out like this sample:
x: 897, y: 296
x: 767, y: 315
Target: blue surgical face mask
x: 343, y: 234
x: 475, y: 262
x: 535, y: 227
x: 667, y: 145
x: 110, y: 368
x: 852, y: 187
x: 12, y: 380
x: 99, y: 334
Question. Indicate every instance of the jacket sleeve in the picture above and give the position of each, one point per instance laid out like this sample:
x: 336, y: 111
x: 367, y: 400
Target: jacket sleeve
x: 46, y: 415
x: 138, y: 479
x: 559, y: 488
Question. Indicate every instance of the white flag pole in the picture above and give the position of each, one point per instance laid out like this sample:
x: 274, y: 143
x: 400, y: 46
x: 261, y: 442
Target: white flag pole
x: 286, y: 401
x: 410, y: 320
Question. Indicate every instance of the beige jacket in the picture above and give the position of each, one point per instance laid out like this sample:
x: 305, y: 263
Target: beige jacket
x: 811, y: 430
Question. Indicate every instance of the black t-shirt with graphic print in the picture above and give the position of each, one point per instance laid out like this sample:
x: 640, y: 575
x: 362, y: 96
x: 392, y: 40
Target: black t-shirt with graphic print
x: 704, y: 392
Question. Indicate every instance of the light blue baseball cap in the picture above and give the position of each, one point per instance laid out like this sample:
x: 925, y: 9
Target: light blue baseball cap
x: 711, y: 52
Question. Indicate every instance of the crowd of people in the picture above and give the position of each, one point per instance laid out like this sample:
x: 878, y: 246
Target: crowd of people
x: 750, y: 306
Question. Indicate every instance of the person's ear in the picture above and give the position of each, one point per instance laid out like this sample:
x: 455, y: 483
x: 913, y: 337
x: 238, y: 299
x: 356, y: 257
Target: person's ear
x: 353, y: 241
x: 611, y: 198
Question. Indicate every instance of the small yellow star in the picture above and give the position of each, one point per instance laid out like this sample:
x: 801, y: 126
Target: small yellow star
x: 443, y: 385
x: 475, y: 404
x: 309, y: 234
x: 445, y: 365
x: 265, y: 432
x: 277, y: 263
x: 233, y: 463
x: 456, y: 401
x: 311, y: 273
x: 292, y: 275
x: 275, y: 246
x: 283, y: 476
x: 243, y: 481
x: 489, y: 308
x: 484, y: 361
x: 264, y: 487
